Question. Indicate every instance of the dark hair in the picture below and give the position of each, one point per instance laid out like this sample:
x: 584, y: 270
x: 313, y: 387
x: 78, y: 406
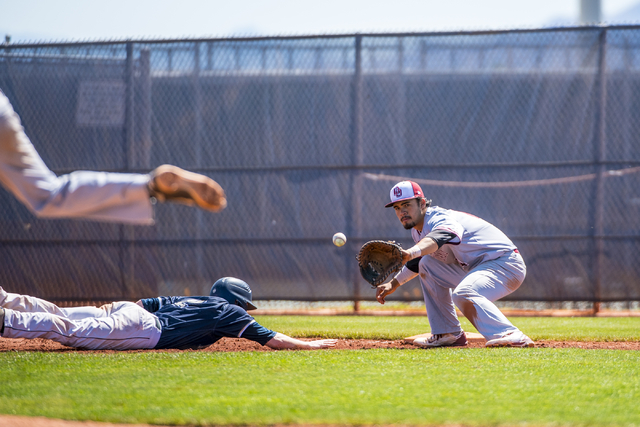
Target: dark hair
x: 427, y: 201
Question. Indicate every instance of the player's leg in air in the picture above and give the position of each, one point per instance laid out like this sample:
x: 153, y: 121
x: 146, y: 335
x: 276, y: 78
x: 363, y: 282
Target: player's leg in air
x: 102, y: 196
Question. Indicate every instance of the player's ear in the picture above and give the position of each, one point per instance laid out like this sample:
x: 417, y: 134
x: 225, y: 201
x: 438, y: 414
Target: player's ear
x: 424, y: 204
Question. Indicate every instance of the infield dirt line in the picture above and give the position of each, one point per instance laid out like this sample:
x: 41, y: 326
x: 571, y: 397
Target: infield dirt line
x: 231, y: 345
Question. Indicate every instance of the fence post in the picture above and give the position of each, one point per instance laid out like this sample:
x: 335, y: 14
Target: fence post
x: 129, y: 126
x: 356, y: 117
x: 601, y: 145
x: 198, y: 106
x: 126, y: 232
x: 142, y: 155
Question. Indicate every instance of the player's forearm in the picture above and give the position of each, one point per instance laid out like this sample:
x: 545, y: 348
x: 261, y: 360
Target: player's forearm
x: 425, y: 246
x: 283, y: 342
x: 403, y: 277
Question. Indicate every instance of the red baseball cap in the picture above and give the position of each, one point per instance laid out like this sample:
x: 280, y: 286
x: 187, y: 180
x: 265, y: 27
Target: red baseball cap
x: 404, y: 190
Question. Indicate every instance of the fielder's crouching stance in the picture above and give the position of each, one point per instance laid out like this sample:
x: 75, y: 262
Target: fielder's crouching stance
x: 462, y: 260
x: 154, y: 323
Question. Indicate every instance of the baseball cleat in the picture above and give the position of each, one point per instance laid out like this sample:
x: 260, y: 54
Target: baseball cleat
x: 442, y: 340
x: 512, y: 339
x: 172, y: 184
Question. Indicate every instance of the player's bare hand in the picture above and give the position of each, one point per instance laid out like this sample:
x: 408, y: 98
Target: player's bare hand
x: 386, y: 289
x: 139, y: 302
x: 328, y: 343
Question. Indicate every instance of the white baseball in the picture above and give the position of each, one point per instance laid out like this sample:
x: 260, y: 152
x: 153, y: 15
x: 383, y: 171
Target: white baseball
x: 339, y: 239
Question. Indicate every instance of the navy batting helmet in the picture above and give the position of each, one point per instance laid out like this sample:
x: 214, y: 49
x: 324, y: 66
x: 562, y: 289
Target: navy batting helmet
x: 235, y: 291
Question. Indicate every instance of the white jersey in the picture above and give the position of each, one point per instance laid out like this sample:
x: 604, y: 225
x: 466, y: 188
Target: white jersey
x: 476, y: 240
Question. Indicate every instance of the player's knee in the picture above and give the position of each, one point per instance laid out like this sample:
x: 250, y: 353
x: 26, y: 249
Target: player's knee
x: 462, y: 293
x: 48, y: 200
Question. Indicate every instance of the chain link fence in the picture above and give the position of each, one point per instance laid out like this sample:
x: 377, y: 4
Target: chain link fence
x: 534, y: 131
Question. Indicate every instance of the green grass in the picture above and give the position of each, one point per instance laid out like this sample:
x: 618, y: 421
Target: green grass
x: 476, y: 387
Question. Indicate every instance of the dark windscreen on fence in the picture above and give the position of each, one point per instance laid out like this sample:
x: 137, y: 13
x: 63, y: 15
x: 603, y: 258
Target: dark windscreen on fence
x: 534, y: 131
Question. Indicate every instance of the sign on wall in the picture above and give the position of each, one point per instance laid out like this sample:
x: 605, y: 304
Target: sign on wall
x: 101, y: 103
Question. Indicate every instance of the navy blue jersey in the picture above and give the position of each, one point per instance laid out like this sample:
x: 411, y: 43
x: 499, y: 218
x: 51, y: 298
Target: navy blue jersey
x: 197, y: 322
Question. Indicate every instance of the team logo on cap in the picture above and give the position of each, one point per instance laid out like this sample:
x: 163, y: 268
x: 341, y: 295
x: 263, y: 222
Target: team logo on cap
x: 404, y: 190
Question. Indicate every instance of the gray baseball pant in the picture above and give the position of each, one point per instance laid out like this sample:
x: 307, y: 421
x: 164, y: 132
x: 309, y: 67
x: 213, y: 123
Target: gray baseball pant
x: 473, y: 292
x: 120, y: 325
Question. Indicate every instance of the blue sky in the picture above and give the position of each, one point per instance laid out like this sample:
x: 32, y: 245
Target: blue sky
x: 71, y: 20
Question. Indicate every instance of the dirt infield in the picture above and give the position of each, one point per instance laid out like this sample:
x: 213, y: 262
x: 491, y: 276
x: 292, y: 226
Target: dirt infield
x: 228, y: 344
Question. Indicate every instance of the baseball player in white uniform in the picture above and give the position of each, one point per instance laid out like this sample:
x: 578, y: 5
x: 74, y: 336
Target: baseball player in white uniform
x: 101, y: 196
x: 462, y: 260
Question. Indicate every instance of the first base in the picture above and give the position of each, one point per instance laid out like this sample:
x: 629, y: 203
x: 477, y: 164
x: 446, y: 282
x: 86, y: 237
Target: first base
x: 471, y: 337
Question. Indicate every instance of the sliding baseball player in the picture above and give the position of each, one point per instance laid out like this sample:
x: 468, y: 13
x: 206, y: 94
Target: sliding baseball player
x: 177, y: 322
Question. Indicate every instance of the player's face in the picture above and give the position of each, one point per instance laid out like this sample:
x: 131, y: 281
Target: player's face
x: 410, y: 213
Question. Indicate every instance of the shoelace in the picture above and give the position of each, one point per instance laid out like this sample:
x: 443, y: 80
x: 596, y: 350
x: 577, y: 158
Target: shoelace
x: 434, y: 338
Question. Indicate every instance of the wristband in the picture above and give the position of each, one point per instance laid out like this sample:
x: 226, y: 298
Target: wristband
x: 414, y: 252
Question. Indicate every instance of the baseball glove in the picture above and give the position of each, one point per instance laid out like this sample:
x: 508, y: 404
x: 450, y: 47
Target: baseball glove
x: 378, y: 259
